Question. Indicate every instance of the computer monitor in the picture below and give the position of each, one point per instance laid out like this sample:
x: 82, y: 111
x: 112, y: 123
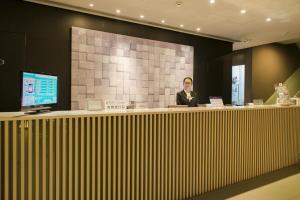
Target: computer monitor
x: 39, y: 91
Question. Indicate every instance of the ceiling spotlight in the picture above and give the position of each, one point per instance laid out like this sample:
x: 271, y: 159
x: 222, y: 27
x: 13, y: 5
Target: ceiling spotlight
x: 247, y: 40
x: 243, y: 11
x: 142, y: 16
x: 163, y: 21
x: 285, y: 34
x: 91, y: 5
x: 178, y: 3
x: 181, y: 25
x: 118, y: 11
x: 268, y: 19
x: 212, y: 1
x: 198, y: 29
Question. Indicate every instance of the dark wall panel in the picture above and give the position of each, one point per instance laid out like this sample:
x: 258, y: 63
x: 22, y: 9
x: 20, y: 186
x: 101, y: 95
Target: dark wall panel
x: 12, y: 52
x: 48, y: 44
x: 272, y: 64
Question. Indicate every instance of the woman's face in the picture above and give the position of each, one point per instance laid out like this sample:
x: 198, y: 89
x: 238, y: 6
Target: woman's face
x: 187, y: 85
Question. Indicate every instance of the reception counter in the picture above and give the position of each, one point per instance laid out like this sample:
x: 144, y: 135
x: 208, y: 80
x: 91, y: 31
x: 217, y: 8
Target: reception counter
x: 172, y: 153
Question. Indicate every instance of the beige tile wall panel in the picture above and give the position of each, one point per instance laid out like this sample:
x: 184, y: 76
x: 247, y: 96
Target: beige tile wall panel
x: 109, y: 66
x: 153, y: 154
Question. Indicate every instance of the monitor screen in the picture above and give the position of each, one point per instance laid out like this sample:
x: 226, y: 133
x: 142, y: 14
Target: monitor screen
x: 38, y: 89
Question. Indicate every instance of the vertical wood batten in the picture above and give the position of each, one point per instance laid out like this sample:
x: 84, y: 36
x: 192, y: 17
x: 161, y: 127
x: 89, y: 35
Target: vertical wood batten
x: 114, y: 158
x: 151, y: 156
x: 158, y: 154
x: 133, y: 157
x: 142, y: 157
x: 128, y: 132
x: 7, y: 145
x: 37, y: 160
x: 197, y: 155
x: 119, y: 157
x: 170, y: 155
x: 124, y: 156
x: 177, y: 164
x: 15, y: 148
x: 104, y: 158
x: 154, y: 159
x: 202, y: 152
x: 70, y: 161
x: 82, y: 157
x: 173, y: 166
x: 183, y: 165
x: 137, y: 152
x: 109, y: 158
x: 189, y: 155
x: 22, y: 160
x: 51, y: 160
x: 162, y: 158
x: 93, y: 157
x: 44, y: 159
x: 99, y: 156
x: 181, y: 154
x: 146, y: 157
x: 87, y: 148
x: 76, y: 159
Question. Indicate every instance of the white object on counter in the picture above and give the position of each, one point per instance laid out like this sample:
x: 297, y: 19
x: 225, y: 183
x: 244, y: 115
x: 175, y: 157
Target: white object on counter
x: 297, y: 100
x: 93, y: 105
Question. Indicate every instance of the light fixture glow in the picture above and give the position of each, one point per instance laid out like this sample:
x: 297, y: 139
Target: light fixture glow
x: 243, y: 11
x: 163, y: 21
x: 268, y: 19
x: 142, y: 16
x: 181, y: 25
x: 118, y: 11
x: 91, y: 5
x: 198, y: 29
x: 178, y: 3
x: 212, y: 1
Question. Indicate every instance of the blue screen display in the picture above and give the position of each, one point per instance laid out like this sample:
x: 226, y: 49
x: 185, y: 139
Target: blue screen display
x: 38, y: 89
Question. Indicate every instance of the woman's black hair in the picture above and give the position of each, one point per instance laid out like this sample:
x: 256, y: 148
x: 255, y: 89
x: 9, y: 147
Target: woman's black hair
x: 188, y: 78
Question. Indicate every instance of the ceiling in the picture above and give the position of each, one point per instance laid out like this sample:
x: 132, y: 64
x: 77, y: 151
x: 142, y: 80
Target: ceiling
x: 221, y: 20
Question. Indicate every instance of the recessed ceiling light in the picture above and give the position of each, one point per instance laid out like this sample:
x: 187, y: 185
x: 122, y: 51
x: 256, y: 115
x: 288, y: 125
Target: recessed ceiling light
x: 268, y: 19
x: 285, y: 34
x: 212, y: 1
x: 163, y: 21
x: 243, y: 11
x: 178, y: 3
x: 91, y: 5
x: 142, y: 16
x: 246, y: 40
x: 118, y: 11
x: 181, y: 25
x: 198, y: 29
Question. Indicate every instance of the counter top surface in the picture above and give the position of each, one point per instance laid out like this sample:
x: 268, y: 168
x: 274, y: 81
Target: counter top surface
x: 74, y: 113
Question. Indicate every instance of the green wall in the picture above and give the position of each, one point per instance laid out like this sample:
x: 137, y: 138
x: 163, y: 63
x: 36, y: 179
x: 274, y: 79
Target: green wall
x: 293, y: 85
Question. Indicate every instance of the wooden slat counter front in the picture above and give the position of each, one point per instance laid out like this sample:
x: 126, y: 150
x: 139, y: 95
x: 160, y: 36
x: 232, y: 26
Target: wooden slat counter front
x: 143, y: 154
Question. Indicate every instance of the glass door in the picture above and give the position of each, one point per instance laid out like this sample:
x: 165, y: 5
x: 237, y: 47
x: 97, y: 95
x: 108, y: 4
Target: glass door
x: 238, y: 85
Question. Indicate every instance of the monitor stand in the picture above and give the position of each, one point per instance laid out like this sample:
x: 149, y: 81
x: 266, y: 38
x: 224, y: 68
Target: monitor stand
x: 37, y: 110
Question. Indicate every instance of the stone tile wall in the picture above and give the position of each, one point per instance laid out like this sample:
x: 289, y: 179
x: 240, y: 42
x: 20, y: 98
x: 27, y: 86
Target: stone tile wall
x: 112, y: 66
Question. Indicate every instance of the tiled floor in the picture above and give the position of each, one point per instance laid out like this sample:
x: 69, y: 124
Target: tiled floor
x: 285, y: 189
x: 283, y: 184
